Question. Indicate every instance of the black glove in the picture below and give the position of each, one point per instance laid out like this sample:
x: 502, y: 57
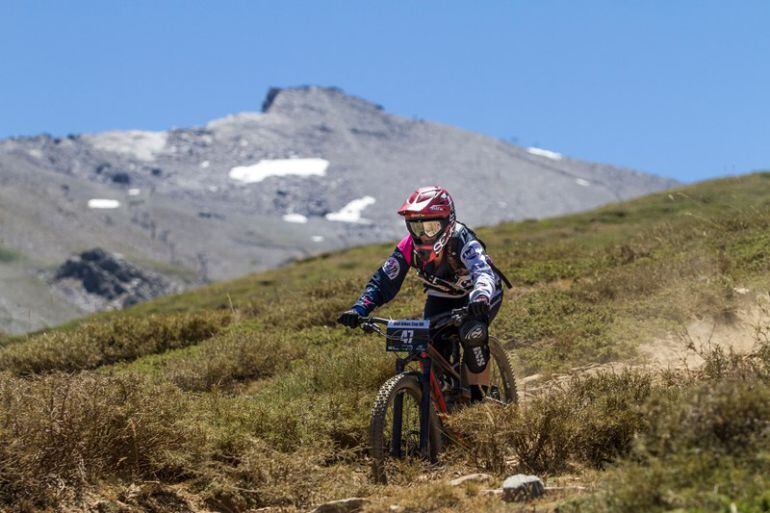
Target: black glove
x: 479, y: 308
x: 350, y: 318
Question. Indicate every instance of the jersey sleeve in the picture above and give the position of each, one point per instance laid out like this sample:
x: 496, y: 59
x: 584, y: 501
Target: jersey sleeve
x: 474, y: 258
x: 384, y: 283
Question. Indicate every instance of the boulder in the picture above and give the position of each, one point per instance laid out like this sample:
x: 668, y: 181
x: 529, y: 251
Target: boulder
x: 521, y: 488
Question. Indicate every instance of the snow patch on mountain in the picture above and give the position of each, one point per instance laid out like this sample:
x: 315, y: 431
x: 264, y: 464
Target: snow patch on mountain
x: 584, y: 183
x: 351, y: 213
x: 540, y: 152
x: 295, y: 218
x: 279, y: 167
x: 140, y: 144
x: 100, y: 203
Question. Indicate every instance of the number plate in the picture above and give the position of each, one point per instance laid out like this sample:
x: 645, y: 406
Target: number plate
x: 408, y: 336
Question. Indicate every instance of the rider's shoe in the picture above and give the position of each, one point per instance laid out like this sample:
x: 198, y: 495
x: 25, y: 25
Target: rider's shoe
x: 478, y: 393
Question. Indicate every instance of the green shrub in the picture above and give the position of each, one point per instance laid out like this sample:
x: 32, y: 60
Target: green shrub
x: 232, y: 357
x: 8, y: 255
x: 102, y: 343
x: 704, y: 445
x: 556, y: 329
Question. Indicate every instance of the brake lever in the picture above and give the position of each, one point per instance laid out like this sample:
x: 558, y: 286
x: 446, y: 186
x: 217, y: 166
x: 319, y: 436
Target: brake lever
x: 458, y: 315
x: 370, y: 327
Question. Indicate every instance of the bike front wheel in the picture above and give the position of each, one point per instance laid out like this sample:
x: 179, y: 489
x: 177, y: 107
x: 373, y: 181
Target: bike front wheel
x: 394, y: 432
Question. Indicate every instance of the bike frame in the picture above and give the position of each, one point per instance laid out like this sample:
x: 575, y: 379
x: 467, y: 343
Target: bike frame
x: 427, y: 379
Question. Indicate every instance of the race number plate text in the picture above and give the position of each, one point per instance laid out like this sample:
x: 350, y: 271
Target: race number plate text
x: 410, y: 336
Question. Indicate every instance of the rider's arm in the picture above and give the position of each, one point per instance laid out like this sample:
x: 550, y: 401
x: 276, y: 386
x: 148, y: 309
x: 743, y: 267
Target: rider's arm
x: 386, y: 281
x: 475, y: 260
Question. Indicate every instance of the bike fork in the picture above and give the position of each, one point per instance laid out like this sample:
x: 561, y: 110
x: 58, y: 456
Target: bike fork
x: 398, y: 415
x: 425, y: 408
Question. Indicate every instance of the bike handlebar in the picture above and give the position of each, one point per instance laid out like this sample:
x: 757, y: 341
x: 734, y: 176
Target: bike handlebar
x: 456, y: 317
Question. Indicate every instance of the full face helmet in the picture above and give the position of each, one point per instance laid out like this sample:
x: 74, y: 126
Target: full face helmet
x: 429, y: 213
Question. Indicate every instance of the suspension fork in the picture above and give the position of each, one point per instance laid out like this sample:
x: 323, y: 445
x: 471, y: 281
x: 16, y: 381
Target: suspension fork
x: 398, y: 415
x: 425, y: 381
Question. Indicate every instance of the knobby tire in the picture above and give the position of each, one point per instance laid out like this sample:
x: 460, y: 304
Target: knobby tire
x: 407, y: 384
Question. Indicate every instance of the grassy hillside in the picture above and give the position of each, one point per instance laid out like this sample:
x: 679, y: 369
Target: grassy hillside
x: 7, y: 255
x: 245, y: 394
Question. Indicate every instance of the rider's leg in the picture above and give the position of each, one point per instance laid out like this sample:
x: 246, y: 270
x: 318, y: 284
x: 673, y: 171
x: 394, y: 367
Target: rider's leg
x: 435, y: 305
x: 474, y: 336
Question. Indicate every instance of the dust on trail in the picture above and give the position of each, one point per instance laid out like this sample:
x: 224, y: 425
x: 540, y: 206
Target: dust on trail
x: 739, y: 332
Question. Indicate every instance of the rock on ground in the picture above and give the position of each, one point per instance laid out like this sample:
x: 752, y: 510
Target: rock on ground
x: 350, y: 505
x: 97, y: 279
x: 522, y: 488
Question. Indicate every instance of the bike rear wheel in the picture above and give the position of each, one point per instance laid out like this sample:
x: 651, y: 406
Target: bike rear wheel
x: 502, y: 381
x: 391, y: 441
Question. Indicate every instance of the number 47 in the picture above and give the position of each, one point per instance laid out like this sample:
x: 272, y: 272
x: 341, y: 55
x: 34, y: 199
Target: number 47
x: 407, y: 336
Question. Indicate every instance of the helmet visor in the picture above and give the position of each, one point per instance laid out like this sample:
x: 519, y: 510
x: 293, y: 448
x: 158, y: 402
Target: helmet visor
x: 425, y: 229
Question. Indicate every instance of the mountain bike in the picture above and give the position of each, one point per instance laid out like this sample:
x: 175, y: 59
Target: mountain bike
x: 406, y: 416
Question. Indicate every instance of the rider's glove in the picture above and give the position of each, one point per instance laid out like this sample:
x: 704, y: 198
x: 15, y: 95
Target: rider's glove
x: 351, y: 318
x: 479, y: 307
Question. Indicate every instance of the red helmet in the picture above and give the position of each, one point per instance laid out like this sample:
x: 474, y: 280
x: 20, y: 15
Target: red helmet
x: 430, y: 218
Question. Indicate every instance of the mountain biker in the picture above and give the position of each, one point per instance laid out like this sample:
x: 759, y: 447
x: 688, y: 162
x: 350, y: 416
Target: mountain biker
x: 456, y: 272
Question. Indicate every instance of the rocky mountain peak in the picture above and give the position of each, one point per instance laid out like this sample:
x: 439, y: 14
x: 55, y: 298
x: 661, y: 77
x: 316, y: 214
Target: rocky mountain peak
x: 316, y: 170
x: 317, y: 99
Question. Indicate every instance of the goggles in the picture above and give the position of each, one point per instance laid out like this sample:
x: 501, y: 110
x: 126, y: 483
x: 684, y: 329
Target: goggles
x: 425, y: 229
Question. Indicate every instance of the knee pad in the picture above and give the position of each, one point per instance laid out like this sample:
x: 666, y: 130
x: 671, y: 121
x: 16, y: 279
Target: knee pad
x: 474, y: 336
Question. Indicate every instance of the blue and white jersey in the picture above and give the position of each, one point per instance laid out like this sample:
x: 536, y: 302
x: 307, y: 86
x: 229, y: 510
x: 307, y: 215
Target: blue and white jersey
x: 464, y: 270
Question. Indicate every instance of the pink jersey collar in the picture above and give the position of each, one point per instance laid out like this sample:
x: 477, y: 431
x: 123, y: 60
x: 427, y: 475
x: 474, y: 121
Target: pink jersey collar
x: 406, y: 246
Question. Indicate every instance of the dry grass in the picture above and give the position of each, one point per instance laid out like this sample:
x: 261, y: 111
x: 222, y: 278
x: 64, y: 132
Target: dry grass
x: 587, y: 421
x: 59, y: 433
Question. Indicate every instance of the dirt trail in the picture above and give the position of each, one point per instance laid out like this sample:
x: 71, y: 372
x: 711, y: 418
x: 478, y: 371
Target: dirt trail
x: 739, y: 333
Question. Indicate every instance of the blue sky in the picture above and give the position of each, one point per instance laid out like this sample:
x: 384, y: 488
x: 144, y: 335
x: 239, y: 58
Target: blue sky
x: 681, y: 89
